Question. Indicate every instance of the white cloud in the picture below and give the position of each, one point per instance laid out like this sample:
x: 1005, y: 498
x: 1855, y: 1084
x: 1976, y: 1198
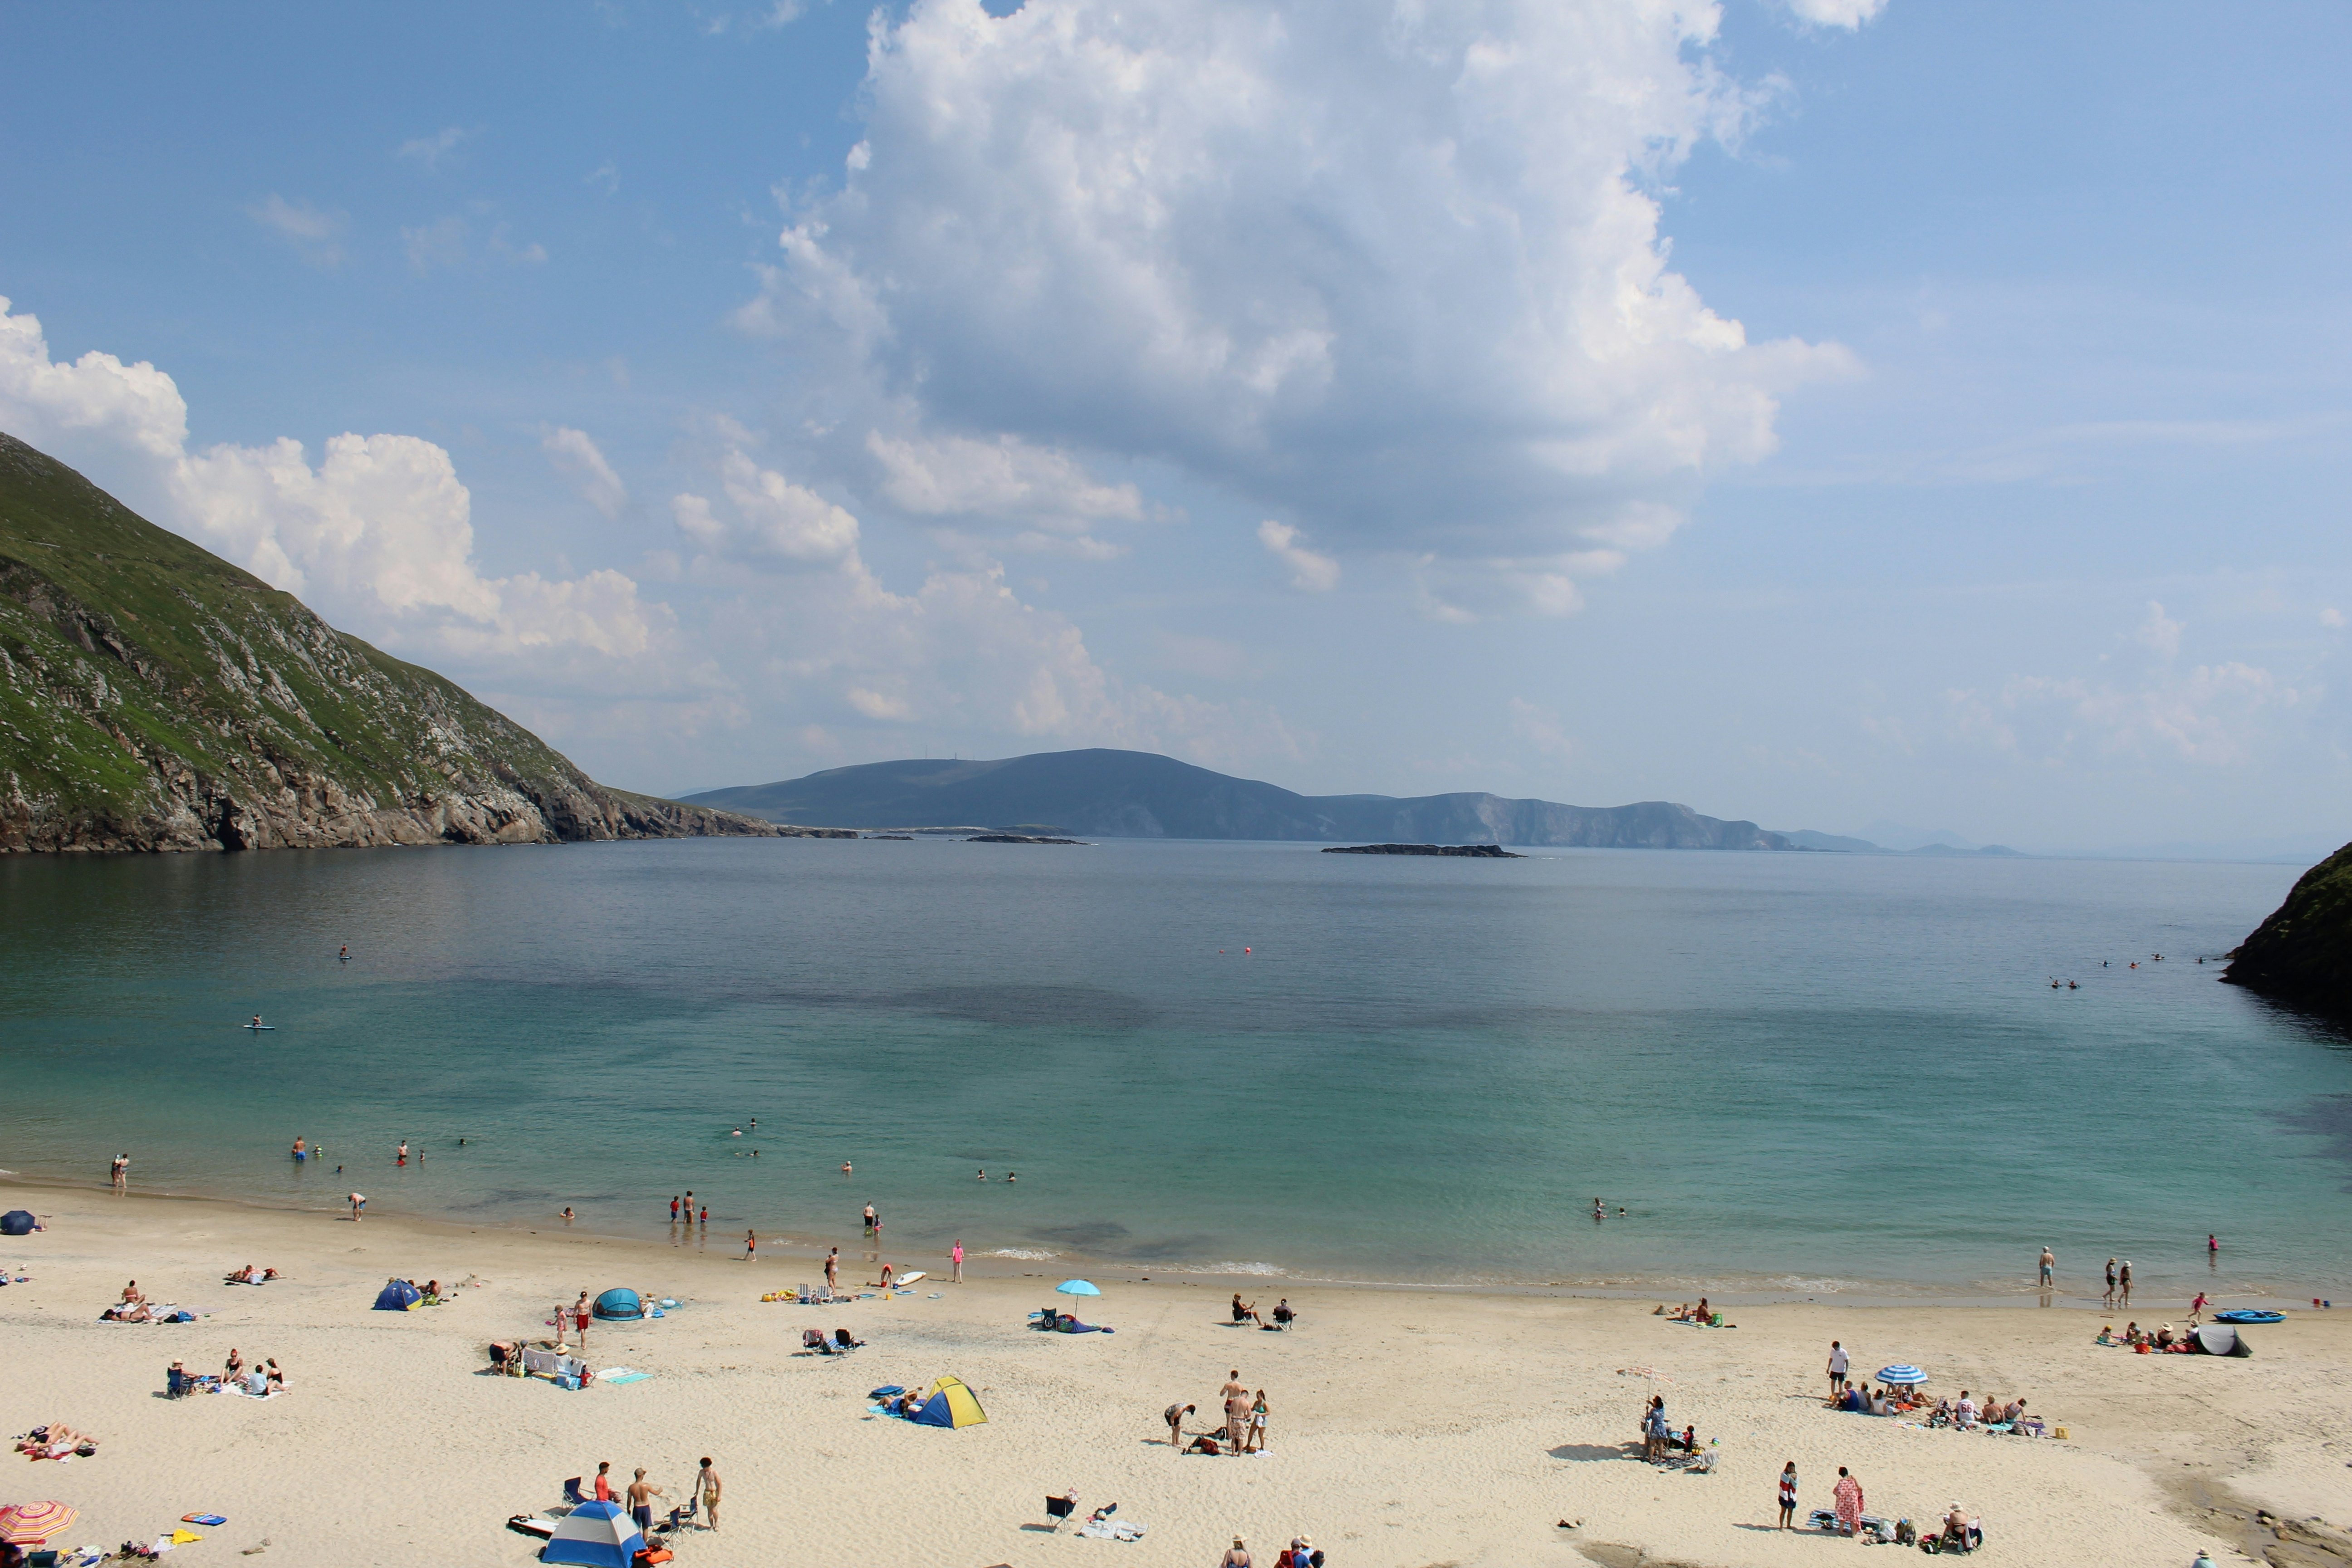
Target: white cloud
x: 578, y: 459
x: 606, y: 177
x: 441, y: 243
x: 1005, y: 477
x: 1836, y: 12
x: 1309, y: 571
x: 315, y: 233
x: 430, y: 151
x: 776, y: 523
x: 1402, y: 282
x: 379, y: 536
x: 2331, y: 617
x: 2160, y: 633
x: 1541, y: 727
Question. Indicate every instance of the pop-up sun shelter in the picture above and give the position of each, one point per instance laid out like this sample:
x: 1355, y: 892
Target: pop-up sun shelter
x: 950, y: 1404
x: 397, y: 1296
x: 596, y: 1533
x: 15, y: 1222
x: 619, y: 1302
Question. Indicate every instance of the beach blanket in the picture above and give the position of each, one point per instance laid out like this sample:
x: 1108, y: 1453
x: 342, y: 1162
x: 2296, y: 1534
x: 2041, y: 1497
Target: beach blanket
x: 1112, y: 1529
x: 622, y: 1374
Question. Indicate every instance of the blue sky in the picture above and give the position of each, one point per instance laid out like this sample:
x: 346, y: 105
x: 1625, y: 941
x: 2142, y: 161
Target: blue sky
x: 1819, y: 413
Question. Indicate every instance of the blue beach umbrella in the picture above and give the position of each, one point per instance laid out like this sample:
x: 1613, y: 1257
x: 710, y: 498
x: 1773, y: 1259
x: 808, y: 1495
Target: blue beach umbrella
x: 1076, y: 1287
x: 1906, y: 1375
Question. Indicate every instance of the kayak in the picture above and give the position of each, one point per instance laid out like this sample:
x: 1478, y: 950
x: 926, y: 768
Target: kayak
x: 2248, y: 1315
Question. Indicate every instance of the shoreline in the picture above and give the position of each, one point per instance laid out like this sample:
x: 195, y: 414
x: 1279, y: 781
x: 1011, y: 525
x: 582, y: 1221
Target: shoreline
x: 1410, y: 1428
x: 996, y: 1265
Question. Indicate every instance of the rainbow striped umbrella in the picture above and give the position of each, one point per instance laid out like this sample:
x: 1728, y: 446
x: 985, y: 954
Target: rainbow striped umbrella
x: 32, y: 1523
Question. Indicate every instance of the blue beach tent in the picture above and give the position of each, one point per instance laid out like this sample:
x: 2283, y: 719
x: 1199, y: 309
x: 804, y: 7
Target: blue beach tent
x: 397, y: 1296
x: 619, y: 1302
x: 598, y: 1534
x: 950, y: 1404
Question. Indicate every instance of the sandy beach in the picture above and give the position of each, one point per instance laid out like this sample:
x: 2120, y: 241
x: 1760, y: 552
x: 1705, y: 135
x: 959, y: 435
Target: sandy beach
x: 1408, y: 1428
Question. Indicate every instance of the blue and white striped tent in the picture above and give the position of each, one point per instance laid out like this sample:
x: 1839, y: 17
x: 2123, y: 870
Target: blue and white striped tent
x: 1905, y: 1375
x: 598, y: 1534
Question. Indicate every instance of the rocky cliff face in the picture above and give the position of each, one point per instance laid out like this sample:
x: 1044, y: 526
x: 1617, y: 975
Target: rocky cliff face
x: 154, y: 697
x: 2303, y: 954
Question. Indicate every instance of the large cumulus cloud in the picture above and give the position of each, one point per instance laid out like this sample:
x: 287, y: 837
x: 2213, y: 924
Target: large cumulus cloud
x: 1396, y: 273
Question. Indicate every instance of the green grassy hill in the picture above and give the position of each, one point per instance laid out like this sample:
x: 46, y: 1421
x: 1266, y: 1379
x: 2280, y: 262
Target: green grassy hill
x: 154, y: 697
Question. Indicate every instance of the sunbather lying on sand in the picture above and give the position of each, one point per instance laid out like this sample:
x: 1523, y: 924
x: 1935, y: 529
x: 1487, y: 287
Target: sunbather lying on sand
x: 128, y: 1312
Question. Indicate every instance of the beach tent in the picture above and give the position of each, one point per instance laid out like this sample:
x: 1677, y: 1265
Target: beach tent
x: 15, y: 1222
x: 2220, y: 1339
x: 598, y: 1534
x: 397, y: 1296
x: 619, y: 1302
x: 947, y: 1403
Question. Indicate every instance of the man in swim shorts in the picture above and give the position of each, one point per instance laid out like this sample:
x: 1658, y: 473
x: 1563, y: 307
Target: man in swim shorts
x: 1174, y: 1416
x: 2049, y: 1264
x: 641, y: 1503
x: 1837, y: 1369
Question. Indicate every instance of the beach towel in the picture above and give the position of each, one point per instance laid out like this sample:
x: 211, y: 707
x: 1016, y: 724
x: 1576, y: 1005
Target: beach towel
x: 1112, y: 1529
x: 622, y: 1374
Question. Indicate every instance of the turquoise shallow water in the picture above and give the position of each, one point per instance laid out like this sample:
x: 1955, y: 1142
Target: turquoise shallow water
x: 1797, y: 1073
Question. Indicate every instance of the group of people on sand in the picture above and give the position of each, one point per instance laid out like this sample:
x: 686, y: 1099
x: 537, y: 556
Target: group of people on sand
x: 1301, y: 1552
x: 1244, y: 1428
x: 1248, y: 1312
x: 1659, y: 1439
x: 1956, y: 1532
x: 640, y: 1493
x: 2134, y: 1338
x: 259, y: 1379
x: 251, y: 1274
x: 135, y: 1307
x: 1702, y: 1314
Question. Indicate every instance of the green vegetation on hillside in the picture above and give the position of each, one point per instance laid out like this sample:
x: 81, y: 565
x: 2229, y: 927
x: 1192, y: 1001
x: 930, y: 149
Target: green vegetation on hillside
x: 153, y: 696
x: 2303, y: 954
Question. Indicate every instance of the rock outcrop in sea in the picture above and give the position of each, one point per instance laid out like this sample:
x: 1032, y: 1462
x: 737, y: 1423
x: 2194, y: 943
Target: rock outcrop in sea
x: 2303, y: 954
x: 154, y: 697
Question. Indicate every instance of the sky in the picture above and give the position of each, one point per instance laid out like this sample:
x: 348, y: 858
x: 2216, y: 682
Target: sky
x: 1866, y: 416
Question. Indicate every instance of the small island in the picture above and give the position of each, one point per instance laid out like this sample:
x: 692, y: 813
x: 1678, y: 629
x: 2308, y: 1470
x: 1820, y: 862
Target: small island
x: 1018, y: 838
x: 1467, y: 851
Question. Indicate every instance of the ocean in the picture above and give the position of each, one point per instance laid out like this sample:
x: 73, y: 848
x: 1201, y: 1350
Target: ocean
x: 1797, y: 1074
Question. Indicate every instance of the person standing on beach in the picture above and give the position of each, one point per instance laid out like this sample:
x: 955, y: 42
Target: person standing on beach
x: 1849, y: 1503
x: 706, y: 1216
x: 1236, y: 1399
x: 2049, y: 1267
x: 580, y: 1317
x: 673, y: 1208
x: 358, y: 1202
x: 1237, y: 1557
x: 957, y: 1258
x: 832, y: 1270
x: 641, y: 1503
x: 707, y: 1486
x: 603, y: 1492
x: 1174, y: 1416
x: 872, y: 1224
x: 2123, y: 1285
x: 1788, y: 1495
x: 2109, y: 1299
x: 1256, y: 1441
x: 750, y: 1246
x: 1837, y: 1369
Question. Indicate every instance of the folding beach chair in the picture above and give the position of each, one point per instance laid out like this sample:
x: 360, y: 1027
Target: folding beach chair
x: 571, y: 1493
x: 814, y: 1340
x: 842, y: 1340
x: 1058, y: 1509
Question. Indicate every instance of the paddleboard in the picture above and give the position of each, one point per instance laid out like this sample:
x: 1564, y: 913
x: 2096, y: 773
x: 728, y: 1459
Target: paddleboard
x: 257, y: 1025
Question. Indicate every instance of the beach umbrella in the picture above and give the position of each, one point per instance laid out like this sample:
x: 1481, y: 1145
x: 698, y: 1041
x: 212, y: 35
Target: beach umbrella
x: 597, y: 1534
x: 1076, y: 1287
x: 1908, y: 1376
x: 32, y: 1523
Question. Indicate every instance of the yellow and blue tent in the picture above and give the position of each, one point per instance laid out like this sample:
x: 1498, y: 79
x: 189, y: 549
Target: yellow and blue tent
x: 947, y: 1403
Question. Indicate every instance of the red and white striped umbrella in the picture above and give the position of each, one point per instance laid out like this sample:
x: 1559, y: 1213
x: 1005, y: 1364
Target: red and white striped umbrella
x: 32, y: 1523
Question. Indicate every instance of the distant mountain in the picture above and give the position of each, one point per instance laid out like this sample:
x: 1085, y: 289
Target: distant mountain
x: 1835, y: 843
x: 1996, y: 850
x: 2303, y: 954
x: 154, y: 697
x: 1140, y: 794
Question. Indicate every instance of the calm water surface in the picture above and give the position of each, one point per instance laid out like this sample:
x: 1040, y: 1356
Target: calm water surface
x: 1796, y: 1073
